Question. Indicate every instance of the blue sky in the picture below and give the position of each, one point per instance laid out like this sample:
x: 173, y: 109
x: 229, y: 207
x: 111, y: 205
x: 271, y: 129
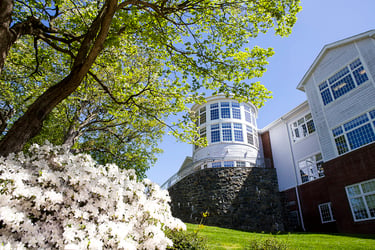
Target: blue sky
x: 319, y: 23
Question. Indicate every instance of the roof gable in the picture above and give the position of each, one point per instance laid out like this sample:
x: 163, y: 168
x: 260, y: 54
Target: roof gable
x: 328, y: 47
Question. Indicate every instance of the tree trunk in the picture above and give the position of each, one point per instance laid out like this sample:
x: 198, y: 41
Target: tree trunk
x: 6, y: 8
x: 30, y: 124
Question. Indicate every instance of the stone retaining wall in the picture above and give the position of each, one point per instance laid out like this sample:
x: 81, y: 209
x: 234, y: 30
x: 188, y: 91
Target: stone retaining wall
x: 240, y: 198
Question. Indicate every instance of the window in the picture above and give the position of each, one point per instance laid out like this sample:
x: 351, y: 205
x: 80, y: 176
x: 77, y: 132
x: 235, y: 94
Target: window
x: 343, y: 81
x: 202, y: 134
x: 302, y: 127
x: 240, y: 164
x: 247, y: 114
x: 228, y: 164
x: 236, y: 112
x: 202, y: 115
x: 225, y: 110
x: 355, y: 133
x: 250, y: 115
x: 216, y: 164
x: 250, y: 138
x: 251, y: 135
x: 361, y: 198
x: 311, y: 168
x: 214, y: 111
x: 215, y: 133
x: 238, y: 132
x: 227, y: 131
x: 326, y: 212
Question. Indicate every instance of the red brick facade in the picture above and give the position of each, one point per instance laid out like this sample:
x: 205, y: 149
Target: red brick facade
x: 267, y: 149
x: 351, y: 168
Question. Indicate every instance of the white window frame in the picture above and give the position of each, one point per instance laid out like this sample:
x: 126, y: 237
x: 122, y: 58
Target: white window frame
x: 322, y: 213
x: 340, y: 134
x: 311, y: 167
x: 301, y: 126
x: 362, y: 195
x: 350, y: 68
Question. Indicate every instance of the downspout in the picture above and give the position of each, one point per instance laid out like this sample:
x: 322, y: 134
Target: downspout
x: 296, y: 176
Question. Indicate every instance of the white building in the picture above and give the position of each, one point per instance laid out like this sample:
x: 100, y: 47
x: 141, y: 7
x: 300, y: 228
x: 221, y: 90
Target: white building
x: 323, y: 150
x: 232, y: 137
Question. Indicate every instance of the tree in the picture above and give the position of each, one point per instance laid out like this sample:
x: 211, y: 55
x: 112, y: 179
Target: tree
x: 200, y: 44
x: 118, y: 123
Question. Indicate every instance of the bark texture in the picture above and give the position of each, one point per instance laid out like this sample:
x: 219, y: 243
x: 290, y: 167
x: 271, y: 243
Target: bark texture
x: 6, y: 7
x: 31, y: 122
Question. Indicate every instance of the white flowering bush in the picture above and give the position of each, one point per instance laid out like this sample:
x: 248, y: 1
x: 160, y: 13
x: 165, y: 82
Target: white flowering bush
x: 52, y: 199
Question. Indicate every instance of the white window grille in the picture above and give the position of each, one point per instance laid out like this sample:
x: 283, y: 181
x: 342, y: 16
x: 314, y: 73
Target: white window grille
x: 325, y: 211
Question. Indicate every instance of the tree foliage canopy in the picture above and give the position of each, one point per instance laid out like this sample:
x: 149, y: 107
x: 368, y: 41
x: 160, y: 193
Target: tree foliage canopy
x: 109, y: 72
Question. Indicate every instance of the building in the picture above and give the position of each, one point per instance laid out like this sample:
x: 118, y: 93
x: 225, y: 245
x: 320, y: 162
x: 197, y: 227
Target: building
x: 229, y: 177
x: 329, y: 172
x: 323, y: 151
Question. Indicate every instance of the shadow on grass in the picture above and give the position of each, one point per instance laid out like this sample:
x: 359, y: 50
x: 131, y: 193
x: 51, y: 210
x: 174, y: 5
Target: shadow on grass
x: 359, y: 236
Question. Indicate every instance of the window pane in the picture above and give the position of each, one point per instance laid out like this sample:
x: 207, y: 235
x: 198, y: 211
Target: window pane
x: 227, y: 131
x: 370, y: 200
x: 248, y: 117
x: 341, y: 145
x: 338, y: 75
x: 304, y: 175
x: 228, y: 163
x: 202, y: 115
x: 236, y: 113
x: 250, y: 138
x: 301, y: 121
x: 215, y: 133
x: 311, y: 126
x: 214, y: 114
x: 238, y: 135
x: 361, y: 136
x: 203, y: 132
x: 355, y: 64
x: 326, y: 96
x: 372, y: 114
x: 296, y: 133
x: 325, y: 212
x: 227, y: 135
x: 225, y: 113
x: 304, y: 129
x: 356, y: 122
x: 337, y: 131
x: 226, y: 125
x: 359, y: 208
x: 240, y: 164
x: 215, y: 136
x: 353, y: 191
x: 216, y: 164
x: 360, y: 75
x: 323, y: 85
x: 320, y: 169
x: 342, y: 86
x: 368, y: 187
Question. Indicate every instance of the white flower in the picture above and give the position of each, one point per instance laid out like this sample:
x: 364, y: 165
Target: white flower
x: 53, y: 199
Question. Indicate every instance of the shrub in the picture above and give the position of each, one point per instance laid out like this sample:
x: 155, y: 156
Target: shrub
x: 186, y: 240
x: 267, y: 243
x: 50, y: 198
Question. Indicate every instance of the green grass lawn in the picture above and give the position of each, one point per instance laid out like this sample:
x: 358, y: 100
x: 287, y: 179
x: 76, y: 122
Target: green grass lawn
x: 220, y: 238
